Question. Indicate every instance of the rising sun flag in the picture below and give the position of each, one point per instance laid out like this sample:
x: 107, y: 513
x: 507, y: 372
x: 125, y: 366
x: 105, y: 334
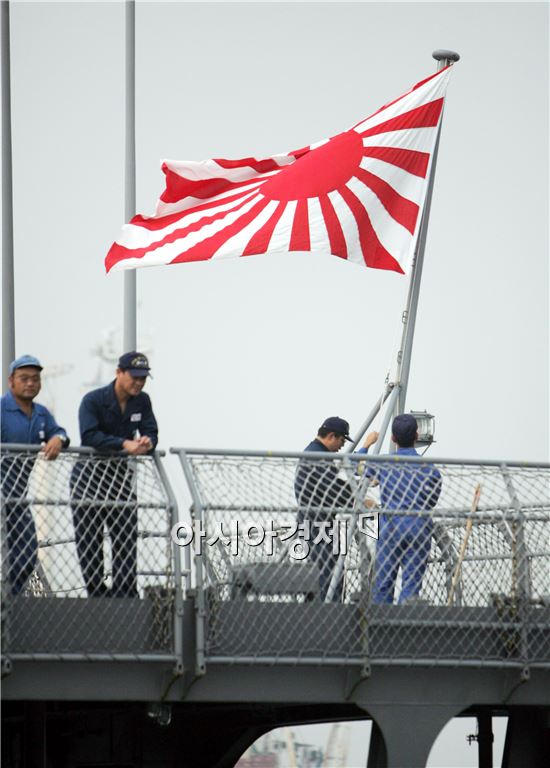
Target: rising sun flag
x: 358, y: 195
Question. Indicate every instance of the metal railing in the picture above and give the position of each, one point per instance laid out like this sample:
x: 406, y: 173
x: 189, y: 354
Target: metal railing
x: 288, y: 569
x: 88, y: 526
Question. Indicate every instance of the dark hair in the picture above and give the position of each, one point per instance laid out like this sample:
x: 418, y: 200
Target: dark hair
x: 403, y: 443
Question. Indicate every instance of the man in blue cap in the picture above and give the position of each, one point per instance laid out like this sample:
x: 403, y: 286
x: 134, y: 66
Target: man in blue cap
x: 28, y: 423
x: 404, y: 540
x: 318, y: 490
x: 118, y: 417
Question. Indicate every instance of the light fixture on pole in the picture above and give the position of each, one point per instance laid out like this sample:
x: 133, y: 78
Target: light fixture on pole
x: 426, y: 427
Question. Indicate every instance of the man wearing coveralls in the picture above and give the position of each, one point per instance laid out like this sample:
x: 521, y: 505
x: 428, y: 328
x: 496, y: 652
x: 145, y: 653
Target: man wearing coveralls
x: 24, y: 422
x: 403, y: 540
x: 118, y: 417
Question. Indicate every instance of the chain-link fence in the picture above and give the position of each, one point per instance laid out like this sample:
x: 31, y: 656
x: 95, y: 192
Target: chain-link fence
x: 87, y: 526
x: 289, y: 568
x: 299, y: 558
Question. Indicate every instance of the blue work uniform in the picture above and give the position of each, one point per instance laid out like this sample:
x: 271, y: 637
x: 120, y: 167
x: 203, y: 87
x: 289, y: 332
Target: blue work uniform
x: 317, y: 485
x: 403, y: 540
x: 95, y: 483
x: 18, y: 427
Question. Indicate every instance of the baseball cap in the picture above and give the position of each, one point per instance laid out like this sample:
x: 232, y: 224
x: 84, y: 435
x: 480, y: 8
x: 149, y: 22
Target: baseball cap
x: 135, y: 363
x: 24, y: 361
x: 338, y: 425
x: 404, y: 429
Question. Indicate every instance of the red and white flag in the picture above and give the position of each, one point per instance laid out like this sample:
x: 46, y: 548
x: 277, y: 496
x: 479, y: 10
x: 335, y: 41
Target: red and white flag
x: 358, y: 195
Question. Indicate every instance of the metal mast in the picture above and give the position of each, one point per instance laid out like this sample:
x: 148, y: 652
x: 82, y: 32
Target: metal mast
x: 444, y: 59
x: 129, y: 327
x: 8, y: 301
x: 398, y: 389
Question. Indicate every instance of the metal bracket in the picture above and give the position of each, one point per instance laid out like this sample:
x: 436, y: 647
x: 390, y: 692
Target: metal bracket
x: 6, y: 666
x: 364, y: 673
x: 200, y: 670
x: 524, y: 677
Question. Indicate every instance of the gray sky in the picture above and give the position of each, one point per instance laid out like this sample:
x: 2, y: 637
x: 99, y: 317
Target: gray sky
x: 255, y: 353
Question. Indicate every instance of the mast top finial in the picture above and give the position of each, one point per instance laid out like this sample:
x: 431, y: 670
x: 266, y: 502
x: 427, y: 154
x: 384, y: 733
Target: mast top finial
x: 449, y: 57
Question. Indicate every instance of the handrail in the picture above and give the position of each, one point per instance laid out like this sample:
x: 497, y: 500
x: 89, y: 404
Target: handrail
x: 90, y: 525
x: 357, y: 457
x: 82, y: 449
x: 471, y: 601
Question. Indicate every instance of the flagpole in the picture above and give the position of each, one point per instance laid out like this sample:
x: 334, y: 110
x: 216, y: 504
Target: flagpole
x: 399, y: 392
x: 444, y: 59
x: 130, y: 312
x: 8, y: 292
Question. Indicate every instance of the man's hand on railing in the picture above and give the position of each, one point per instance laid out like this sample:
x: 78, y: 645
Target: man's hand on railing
x: 138, y: 447
x: 52, y: 448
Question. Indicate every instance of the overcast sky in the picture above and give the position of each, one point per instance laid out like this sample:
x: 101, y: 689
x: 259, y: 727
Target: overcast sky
x: 255, y: 353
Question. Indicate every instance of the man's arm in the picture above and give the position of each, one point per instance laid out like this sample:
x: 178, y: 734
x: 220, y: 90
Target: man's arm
x: 431, y: 489
x: 370, y: 439
x: 56, y: 437
x: 331, y: 490
x: 148, y: 425
x: 317, y: 485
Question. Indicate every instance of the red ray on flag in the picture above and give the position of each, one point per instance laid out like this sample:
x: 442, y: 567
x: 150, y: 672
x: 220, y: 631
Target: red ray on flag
x: 358, y: 195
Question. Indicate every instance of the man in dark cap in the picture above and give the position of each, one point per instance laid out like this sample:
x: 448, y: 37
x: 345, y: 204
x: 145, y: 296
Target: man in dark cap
x: 404, y: 540
x: 319, y: 490
x: 118, y: 417
x: 24, y: 422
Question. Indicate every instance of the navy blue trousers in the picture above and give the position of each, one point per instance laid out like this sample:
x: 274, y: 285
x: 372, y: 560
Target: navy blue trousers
x: 95, y: 486
x: 20, y: 528
x: 403, y: 542
x: 22, y: 544
x: 327, y: 562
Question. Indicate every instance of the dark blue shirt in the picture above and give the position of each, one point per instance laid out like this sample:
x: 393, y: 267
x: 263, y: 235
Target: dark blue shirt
x: 316, y: 483
x: 17, y: 427
x: 103, y: 425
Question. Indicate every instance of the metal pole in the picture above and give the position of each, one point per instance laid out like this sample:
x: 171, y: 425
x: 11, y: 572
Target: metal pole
x: 485, y: 739
x: 370, y: 418
x: 178, y: 575
x: 8, y: 302
x: 521, y: 577
x: 444, y: 58
x: 129, y: 333
x: 201, y: 623
x: 385, y: 422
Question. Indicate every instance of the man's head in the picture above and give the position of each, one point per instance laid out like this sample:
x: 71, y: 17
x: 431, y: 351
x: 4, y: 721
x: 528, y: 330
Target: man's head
x: 131, y: 374
x: 404, y: 430
x: 24, y: 377
x: 333, y: 433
